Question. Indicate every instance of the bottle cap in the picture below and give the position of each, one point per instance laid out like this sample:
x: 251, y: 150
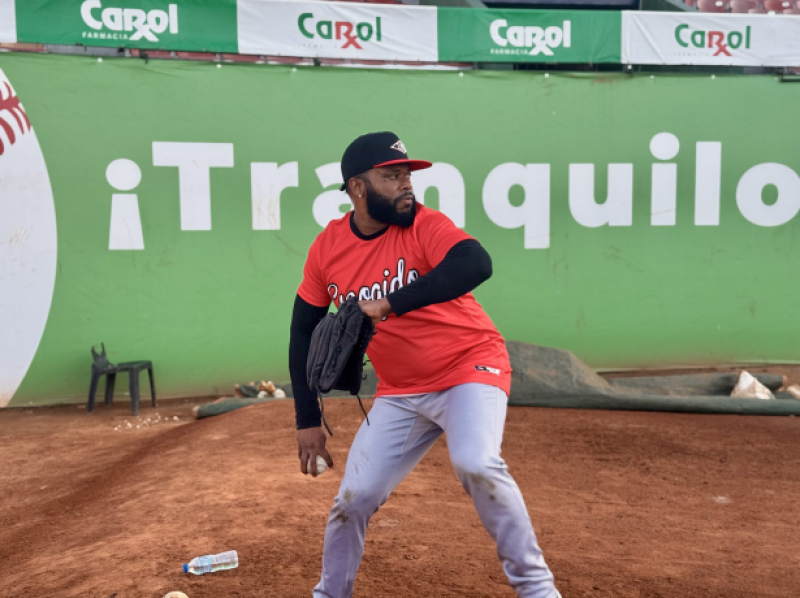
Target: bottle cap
x: 185, y: 568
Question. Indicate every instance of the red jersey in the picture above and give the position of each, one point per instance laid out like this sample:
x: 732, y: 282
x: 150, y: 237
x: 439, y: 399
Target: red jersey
x: 425, y: 350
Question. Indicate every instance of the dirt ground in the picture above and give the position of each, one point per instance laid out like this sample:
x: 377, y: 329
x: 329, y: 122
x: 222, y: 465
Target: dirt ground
x: 625, y: 505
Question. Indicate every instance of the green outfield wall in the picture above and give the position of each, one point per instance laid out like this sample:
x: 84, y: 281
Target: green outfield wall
x: 165, y: 208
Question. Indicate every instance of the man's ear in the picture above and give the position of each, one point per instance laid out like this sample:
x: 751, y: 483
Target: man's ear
x: 356, y: 187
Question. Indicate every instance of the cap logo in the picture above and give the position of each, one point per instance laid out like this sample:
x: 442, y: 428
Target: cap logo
x: 400, y: 147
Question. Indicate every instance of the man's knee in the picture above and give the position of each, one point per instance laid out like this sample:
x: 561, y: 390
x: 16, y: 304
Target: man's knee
x: 479, y: 473
x: 473, y: 460
x: 356, y: 504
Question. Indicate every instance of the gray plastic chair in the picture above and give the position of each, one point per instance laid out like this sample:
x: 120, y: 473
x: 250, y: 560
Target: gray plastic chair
x: 102, y: 367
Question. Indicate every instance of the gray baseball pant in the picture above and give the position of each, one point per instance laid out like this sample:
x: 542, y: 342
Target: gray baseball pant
x: 401, y: 431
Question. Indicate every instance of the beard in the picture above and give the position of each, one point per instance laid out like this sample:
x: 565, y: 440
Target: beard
x: 384, y: 209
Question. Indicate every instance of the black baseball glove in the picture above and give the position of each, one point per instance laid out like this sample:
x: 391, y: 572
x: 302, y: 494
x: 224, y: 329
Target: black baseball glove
x: 336, y: 356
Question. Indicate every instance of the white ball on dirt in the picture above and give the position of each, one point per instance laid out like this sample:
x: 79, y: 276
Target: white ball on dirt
x: 175, y: 595
x: 321, y: 465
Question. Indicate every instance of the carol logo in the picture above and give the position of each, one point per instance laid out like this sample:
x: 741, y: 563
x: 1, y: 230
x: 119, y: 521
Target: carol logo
x: 716, y: 40
x: 350, y: 33
x: 121, y: 21
x: 540, y: 40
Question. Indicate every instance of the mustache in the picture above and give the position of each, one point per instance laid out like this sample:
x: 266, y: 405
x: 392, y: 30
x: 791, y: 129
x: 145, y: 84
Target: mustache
x: 410, y: 194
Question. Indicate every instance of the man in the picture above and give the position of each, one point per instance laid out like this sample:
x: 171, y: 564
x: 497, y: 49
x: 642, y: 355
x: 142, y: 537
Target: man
x: 442, y: 365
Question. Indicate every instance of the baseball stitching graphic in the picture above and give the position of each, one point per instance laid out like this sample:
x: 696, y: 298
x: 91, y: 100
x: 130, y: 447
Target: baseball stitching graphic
x: 27, y: 242
x: 10, y: 101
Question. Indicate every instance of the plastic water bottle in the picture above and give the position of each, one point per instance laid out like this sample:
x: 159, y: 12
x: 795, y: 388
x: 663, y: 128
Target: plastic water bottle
x: 212, y: 563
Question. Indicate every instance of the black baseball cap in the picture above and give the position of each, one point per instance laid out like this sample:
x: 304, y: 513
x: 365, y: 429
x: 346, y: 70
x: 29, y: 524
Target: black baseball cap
x: 374, y: 150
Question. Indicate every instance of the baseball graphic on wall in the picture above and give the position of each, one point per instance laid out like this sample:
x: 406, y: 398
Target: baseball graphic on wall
x: 27, y: 242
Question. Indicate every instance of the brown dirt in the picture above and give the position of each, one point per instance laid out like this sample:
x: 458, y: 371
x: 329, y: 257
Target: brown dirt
x: 625, y: 505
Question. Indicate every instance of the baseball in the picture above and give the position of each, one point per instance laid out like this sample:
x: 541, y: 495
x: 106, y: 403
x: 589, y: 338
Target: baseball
x: 175, y: 595
x: 321, y: 465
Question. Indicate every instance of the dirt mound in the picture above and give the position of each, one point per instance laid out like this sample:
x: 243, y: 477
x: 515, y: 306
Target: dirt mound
x: 625, y: 504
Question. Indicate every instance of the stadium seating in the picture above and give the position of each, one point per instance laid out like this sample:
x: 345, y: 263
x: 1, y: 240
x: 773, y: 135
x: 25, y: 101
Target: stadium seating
x: 755, y: 7
x: 777, y: 6
x: 711, y: 6
x: 743, y: 6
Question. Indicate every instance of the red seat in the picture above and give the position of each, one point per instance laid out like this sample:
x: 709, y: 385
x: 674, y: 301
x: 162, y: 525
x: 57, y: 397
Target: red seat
x: 743, y: 6
x: 757, y: 11
x: 711, y: 6
x: 792, y: 11
x: 161, y: 54
x: 209, y: 56
x: 777, y: 6
x: 242, y: 58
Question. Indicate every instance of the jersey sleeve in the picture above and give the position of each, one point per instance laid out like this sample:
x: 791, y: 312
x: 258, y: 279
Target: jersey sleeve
x: 437, y: 235
x: 313, y: 289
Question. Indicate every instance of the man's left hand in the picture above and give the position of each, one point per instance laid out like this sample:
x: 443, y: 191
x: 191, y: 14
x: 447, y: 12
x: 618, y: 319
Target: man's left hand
x: 377, y: 309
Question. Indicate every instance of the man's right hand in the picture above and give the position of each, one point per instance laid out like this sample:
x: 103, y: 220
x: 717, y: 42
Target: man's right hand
x: 310, y: 443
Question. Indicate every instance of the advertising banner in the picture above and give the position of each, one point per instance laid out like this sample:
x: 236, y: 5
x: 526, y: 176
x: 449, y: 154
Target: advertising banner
x: 338, y: 30
x: 355, y: 31
x: 166, y: 208
x: 8, y: 22
x: 708, y: 39
x: 563, y: 36
x: 191, y: 25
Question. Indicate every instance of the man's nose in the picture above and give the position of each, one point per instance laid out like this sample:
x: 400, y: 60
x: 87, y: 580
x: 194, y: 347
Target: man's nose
x: 405, y: 185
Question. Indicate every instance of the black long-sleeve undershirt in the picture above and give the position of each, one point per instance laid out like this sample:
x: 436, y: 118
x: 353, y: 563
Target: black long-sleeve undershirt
x: 465, y: 266
x: 305, y: 318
